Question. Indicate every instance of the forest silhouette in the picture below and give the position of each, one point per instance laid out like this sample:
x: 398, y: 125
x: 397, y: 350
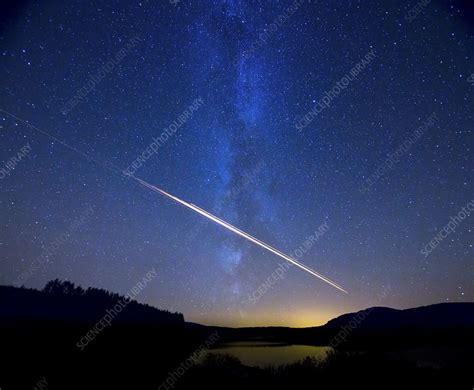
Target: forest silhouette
x: 147, y: 348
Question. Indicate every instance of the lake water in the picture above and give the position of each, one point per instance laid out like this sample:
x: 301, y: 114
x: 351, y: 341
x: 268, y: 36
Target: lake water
x: 263, y: 354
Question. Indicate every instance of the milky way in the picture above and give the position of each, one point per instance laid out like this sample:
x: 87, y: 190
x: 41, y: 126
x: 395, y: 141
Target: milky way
x: 110, y: 78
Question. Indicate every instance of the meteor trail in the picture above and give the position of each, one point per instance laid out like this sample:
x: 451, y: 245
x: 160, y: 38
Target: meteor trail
x: 236, y: 230
x: 112, y: 167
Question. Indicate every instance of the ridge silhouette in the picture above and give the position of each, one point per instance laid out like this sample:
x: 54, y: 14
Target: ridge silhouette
x: 145, y: 347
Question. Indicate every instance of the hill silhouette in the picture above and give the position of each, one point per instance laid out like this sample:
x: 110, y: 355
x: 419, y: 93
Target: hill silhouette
x: 59, y: 334
x: 456, y: 315
x: 142, y: 346
x: 63, y: 301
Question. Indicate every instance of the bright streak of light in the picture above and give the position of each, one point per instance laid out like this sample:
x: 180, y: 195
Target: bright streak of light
x: 193, y: 207
x: 238, y: 232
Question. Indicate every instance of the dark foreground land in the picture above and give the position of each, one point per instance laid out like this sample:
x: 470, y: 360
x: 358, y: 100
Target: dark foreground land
x: 46, y: 342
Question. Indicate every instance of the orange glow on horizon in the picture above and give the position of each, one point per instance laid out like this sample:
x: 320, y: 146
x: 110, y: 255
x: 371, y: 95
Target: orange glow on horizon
x: 296, y: 319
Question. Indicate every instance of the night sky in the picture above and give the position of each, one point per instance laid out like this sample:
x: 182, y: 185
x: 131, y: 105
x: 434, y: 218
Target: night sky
x: 240, y: 154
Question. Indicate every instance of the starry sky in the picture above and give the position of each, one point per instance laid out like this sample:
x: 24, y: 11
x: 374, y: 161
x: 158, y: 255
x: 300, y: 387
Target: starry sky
x: 240, y: 155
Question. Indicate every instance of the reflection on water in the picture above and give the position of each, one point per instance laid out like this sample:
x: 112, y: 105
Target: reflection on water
x: 263, y: 354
